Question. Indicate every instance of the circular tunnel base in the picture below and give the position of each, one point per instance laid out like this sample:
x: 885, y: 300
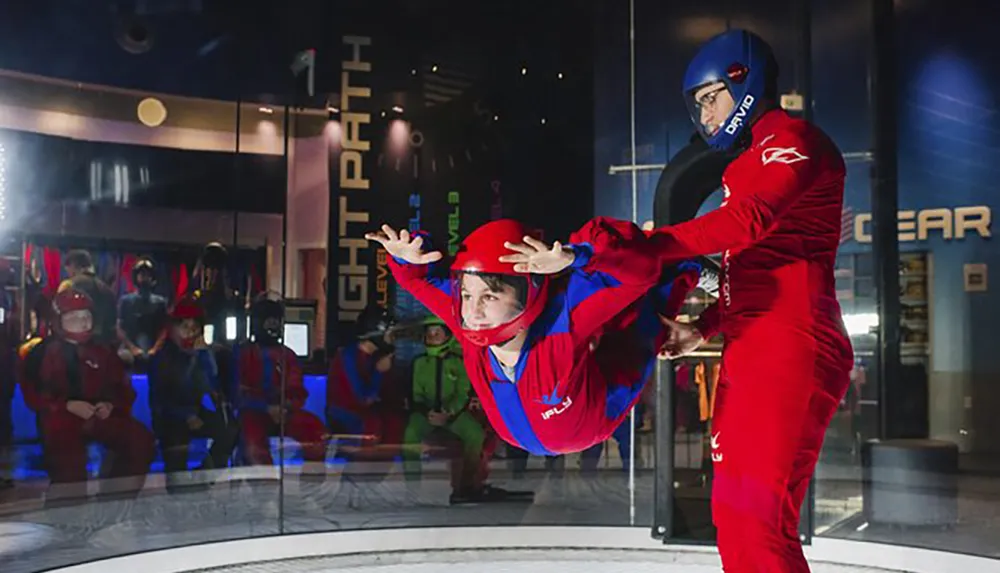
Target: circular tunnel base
x: 516, y: 549
x: 515, y: 561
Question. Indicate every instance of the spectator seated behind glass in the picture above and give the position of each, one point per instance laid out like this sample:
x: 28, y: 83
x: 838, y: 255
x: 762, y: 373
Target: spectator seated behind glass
x: 441, y: 413
x: 263, y: 368
x: 364, y: 405
x: 187, y: 399
x: 79, y: 390
x: 142, y: 317
x: 83, y: 277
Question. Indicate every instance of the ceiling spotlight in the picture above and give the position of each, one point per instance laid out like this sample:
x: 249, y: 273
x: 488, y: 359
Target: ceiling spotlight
x: 413, y: 72
x: 543, y: 121
x: 524, y: 71
x: 266, y: 110
x: 383, y: 113
x: 434, y: 68
x: 151, y: 112
x: 496, y: 118
x: 560, y: 76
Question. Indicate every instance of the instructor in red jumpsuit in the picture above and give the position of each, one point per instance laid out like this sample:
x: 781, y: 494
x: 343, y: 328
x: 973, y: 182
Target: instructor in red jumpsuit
x: 79, y: 389
x: 787, y: 356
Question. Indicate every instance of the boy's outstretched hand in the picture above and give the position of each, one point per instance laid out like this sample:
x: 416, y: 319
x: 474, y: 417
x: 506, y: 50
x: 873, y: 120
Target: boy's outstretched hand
x: 534, y: 256
x: 402, y: 246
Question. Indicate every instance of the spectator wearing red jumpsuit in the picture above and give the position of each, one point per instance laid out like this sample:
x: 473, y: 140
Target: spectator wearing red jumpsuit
x: 262, y: 367
x: 79, y: 390
x: 787, y: 356
x: 557, y: 363
x: 364, y: 398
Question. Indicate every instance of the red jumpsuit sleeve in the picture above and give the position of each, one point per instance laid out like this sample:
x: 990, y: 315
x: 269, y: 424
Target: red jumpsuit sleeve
x: 249, y: 369
x: 29, y: 375
x: 338, y: 391
x: 295, y: 388
x: 615, y: 265
x: 422, y: 282
x: 772, y: 181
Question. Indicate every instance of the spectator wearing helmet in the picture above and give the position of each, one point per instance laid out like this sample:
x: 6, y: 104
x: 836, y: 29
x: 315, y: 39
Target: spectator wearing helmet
x: 439, y: 404
x: 83, y: 277
x: 79, y: 390
x: 142, y: 316
x: 364, y: 390
x: 271, y: 393
x: 187, y: 397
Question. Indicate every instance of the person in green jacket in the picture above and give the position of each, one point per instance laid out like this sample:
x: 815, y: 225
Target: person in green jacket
x: 439, y: 403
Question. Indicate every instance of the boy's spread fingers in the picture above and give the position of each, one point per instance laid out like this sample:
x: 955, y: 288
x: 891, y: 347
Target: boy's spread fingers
x: 538, y: 245
x: 519, y: 248
x: 389, y: 232
x: 515, y: 258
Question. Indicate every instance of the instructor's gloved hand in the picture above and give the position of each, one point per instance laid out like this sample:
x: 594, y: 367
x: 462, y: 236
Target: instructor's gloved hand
x: 402, y: 246
x: 682, y: 338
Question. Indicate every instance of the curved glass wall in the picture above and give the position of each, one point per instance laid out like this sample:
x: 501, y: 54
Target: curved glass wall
x: 230, y: 160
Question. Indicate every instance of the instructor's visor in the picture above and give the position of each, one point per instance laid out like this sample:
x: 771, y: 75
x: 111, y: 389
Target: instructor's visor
x: 710, y: 105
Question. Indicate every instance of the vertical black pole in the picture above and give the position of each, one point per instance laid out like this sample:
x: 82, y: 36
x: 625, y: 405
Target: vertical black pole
x: 885, y: 204
x: 803, y: 82
x: 663, y: 484
x: 284, y: 269
x: 236, y: 174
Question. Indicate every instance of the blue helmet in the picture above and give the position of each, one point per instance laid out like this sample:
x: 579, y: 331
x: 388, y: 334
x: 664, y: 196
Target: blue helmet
x: 742, y: 61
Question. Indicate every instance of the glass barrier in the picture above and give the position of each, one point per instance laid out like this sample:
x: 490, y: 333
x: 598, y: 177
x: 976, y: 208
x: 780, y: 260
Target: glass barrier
x: 198, y: 344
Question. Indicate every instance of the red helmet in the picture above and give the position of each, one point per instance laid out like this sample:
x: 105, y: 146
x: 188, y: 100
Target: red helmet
x: 66, y: 303
x: 479, y: 254
x: 187, y: 308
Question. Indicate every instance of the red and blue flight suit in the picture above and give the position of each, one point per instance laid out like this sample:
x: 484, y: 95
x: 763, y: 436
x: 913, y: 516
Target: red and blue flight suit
x: 592, y: 336
x: 69, y: 368
x: 787, y: 357
x: 262, y: 368
x: 364, y: 394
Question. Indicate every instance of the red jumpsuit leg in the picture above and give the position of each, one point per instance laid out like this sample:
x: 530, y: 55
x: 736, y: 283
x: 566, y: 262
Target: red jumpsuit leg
x: 256, y: 428
x: 393, y: 426
x: 64, y: 443
x: 775, y: 401
x: 131, y: 444
x: 308, y: 430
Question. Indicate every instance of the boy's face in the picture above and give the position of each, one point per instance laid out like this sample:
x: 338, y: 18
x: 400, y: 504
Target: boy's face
x: 483, y: 308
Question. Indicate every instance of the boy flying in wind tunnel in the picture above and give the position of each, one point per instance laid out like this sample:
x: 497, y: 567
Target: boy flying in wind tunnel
x: 557, y: 359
